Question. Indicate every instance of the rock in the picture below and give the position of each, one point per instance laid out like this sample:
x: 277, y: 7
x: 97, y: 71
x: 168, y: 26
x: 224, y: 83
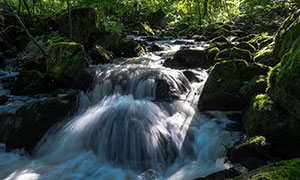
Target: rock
x: 284, y: 82
x: 85, y: 23
x: 257, y: 85
x: 264, y: 118
x: 246, y: 46
x: 164, y: 91
x: 220, y: 45
x: 287, y: 34
x: 200, y: 38
x: 5, y: 118
x: 33, y: 121
x: 226, y: 174
x: 223, y: 55
x: 125, y: 47
x: 265, y: 56
x: 211, y: 54
x: 221, y: 90
x: 253, y: 147
x: 29, y: 83
x: 100, y: 55
x: 276, y: 171
x: 191, y: 76
x: 246, y: 38
x: 237, y: 53
x: 221, y: 39
x: 67, y: 65
x: 189, y: 58
x: 154, y: 47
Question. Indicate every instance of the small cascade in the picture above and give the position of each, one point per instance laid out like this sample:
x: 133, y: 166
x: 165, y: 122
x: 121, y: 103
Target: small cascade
x: 137, y: 121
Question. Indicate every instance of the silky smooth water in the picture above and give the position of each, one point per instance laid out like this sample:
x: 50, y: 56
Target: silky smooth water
x: 123, y: 131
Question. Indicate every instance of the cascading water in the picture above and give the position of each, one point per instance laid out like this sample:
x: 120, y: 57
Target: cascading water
x: 138, y: 121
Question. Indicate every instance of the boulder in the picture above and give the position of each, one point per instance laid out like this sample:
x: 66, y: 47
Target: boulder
x: 287, y: 34
x: 157, y: 18
x: 246, y: 46
x: 100, y: 55
x: 254, y: 147
x: 189, y: 58
x: 264, y: 118
x: 226, y: 174
x: 266, y: 56
x: 223, y: 55
x: 33, y: 121
x: 221, y: 39
x: 5, y: 119
x: 120, y: 46
x: 67, y: 64
x: 284, y: 82
x: 257, y: 85
x: 211, y: 54
x: 86, y: 26
x: 221, y: 90
x: 29, y: 83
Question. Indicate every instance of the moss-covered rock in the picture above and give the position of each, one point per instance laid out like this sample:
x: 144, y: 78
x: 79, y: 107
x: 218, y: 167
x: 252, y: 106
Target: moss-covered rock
x: 266, y: 56
x: 257, y: 85
x: 100, y: 55
x: 29, y: 83
x: 284, y: 82
x: 188, y: 58
x: 67, y: 64
x: 221, y: 39
x: 85, y: 25
x: 211, y: 53
x: 246, y: 46
x: 246, y: 38
x: 264, y: 118
x: 277, y: 171
x: 286, y: 35
x: 221, y: 90
x: 220, y: 45
x: 5, y: 119
x: 33, y: 121
x: 237, y: 53
x: 254, y: 147
x: 224, y: 54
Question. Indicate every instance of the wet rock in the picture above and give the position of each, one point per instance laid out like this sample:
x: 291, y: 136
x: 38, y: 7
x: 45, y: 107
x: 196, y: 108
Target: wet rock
x: 29, y: 83
x: 165, y: 91
x: 3, y: 99
x: 33, y: 121
x: 67, y: 65
x: 253, y: 147
x: 189, y: 59
x: 100, y: 55
x: 264, y: 118
x: 154, y: 47
x: 191, y: 76
x: 221, y: 90
x: 200, y: 38
x: 86, y: 26
x: 5, y: 119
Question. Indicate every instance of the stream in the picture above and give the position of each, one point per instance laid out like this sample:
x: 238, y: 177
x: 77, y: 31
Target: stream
x: 139, y: 120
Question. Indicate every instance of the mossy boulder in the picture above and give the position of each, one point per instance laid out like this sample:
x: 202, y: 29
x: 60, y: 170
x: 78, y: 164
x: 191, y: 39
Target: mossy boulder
x: 188, y: 58
x: 33, y: 121
x: 253, y: 147
x: 246, y: 38
x: 287, y: 34
x: 157, y: 18
x: 30, y: 83
x: 237, y: 53
x: 220, y: 45
x: 224, y: 54
x: 264, y: 118
x: 221, y: 90
x: 266, y: 56
x: 67, y: 64
x: 100, y: 55
x: 284, y: 82
x: 211, y: 53
x: 277, y: 171
x: 246, y: 46
x: 86, y: 26
x: 257, y: 85
x: 5, y: 119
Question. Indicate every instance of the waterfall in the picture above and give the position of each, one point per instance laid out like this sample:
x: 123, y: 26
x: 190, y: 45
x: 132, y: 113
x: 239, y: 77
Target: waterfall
x: 137, y: 121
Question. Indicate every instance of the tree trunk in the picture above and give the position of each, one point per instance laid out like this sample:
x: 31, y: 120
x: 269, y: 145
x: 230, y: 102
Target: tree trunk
x: 70, y: 21
x: 199, y: 13
x: 19, y: 8
x: 205, y: 8
x: 26, y: 30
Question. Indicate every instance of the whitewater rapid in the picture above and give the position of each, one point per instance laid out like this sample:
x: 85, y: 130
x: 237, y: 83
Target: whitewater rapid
x: 125, y: 129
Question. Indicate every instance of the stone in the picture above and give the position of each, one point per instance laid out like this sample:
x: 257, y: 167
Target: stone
x: 34, y: 120
x: 100, y: 55
x: 237, y: 53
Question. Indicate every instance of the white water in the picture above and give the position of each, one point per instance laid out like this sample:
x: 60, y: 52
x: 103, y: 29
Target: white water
x: 124, y: 132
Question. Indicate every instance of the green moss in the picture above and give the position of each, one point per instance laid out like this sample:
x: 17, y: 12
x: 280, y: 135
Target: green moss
x: 256, y: 85
x: 266, y: 56
x: 288, y: 32
x: 237, y: 53
x: 221, y: 39
x: 246, y: 38
x: 212, y: 53
x: 224, y: 54
x: 284, y: 170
